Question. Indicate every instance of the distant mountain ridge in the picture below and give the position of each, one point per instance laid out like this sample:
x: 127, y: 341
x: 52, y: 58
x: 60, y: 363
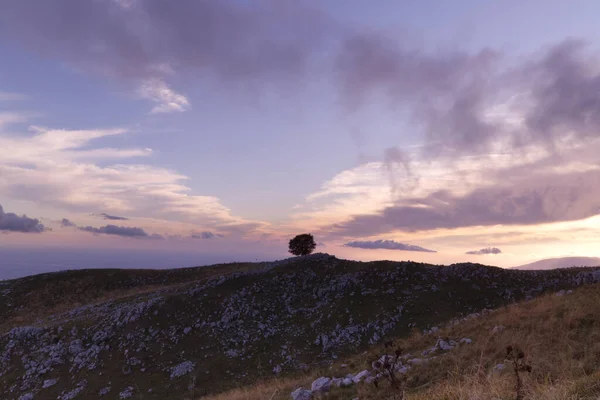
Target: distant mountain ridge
x: 563, y: 262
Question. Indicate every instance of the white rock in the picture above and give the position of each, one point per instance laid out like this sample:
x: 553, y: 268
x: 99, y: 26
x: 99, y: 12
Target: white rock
x: 466, y: 341
x: 361, y: 375
x: 497, y: 329
x: 369, y: 380
x: 499, y: 367
x: 48, y: 383
x: 346, y: 382
x: 321, y: 385
x: 560, y: 293
x: 301, y: 394
x: 417, y: 361
x: 442, y: 344
x: 569, y: 291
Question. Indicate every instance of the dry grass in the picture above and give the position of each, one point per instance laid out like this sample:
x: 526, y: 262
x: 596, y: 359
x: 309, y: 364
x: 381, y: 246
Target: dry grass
x: 559, y: 335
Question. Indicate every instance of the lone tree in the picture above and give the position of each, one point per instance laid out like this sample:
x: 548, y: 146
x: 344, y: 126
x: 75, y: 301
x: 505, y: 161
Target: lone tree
x: 302, y: 245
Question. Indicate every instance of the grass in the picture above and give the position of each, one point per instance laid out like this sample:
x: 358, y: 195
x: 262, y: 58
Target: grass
x: 560, y: 336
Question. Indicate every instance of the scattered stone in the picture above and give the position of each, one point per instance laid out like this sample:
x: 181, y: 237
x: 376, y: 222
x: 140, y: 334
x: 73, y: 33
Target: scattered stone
x: 49, y: 383
x: 321, y: 385
x: 497, y: 329
x: 301, y: 394
x: 104, y: 391
x: 127, y: 393
x: 182, y: 369
x: 361, y: 375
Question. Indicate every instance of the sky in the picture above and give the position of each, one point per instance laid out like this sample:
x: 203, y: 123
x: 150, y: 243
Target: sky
x: 146, y: 133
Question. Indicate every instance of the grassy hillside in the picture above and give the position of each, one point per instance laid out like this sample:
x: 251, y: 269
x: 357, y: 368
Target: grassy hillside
x: 559, y: 336
x: 200, y: 331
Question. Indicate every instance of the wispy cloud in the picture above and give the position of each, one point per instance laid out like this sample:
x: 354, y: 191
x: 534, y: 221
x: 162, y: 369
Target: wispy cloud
x: 123, y: 231
x: 113, y: 217
x: 59, y: 168
x: 387, y: 245
x: 65, y: 223
x: 487, y: 250
x: 205, y: 235
x: 10, y: 222
x: 166, y: 98
x: 133, y: 41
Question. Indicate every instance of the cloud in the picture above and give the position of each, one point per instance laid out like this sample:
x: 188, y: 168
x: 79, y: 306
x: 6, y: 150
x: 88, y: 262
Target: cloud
x: 61, y: 169
x: 487, y: 250
x: 529, y: 200
x: 11, y: 222
x: 205, y: 235
x: 65, y: 223
x: 159, y: 92
x: 113, y: 217
x: 387, y: 245
x: 123, y: 231
x: 150, y: 40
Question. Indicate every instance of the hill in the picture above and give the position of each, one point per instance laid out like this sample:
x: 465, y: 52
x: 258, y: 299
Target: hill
x: 198, y: 331
x: 565, y: 262
x: 467, y: 358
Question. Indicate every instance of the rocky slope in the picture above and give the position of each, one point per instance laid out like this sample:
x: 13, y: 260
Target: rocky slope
x: 187, y: 333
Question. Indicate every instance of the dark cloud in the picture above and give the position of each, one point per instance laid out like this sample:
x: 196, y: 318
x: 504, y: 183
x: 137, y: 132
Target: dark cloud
x: 386, y: 244
x: 11, y: 222
x: 65, y: 223
x: 224, y: 38
x: 523, y: 201
x: 487, y: 250
x: 205, y: 235
x: 113, y: 217
x: 123, y: 231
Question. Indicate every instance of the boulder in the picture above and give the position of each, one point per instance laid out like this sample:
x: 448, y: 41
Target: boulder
x: 442, y: 344
x: 301, y: 394
x: 361, y: 375
x: 321, y: 385
x: 346, y: 382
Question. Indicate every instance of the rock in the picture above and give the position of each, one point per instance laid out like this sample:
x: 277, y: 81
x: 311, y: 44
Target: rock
x: 497, y: 329
x: 417, y: 361
x: 499, y: 367
x: 301, y: 394
x: 569, y: 291
x: 321, y: 385
x: 369, y: 380
x: 26, y: 396
x: 442, y: 344
x: 48, y: 383
x: 182, y: 369
x: 361, y: 375
x: 127, y: 393
x: 403, y: 369
x: 346, y: 382
x: 560, y: 293
x: 466, y: 341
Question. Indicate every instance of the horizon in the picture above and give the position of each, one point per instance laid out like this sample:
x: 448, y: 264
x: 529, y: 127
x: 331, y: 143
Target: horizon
x: 141, y: 131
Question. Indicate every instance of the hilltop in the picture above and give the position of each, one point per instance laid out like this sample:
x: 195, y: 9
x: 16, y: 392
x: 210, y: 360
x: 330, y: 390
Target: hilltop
x: 564, y: 262
x: 197, y: 331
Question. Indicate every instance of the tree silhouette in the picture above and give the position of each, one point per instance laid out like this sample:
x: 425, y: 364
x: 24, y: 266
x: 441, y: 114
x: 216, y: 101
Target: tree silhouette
x: 302, y: 245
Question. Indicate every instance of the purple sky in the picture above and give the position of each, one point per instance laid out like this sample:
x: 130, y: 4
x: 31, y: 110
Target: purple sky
x: 216, y: 130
